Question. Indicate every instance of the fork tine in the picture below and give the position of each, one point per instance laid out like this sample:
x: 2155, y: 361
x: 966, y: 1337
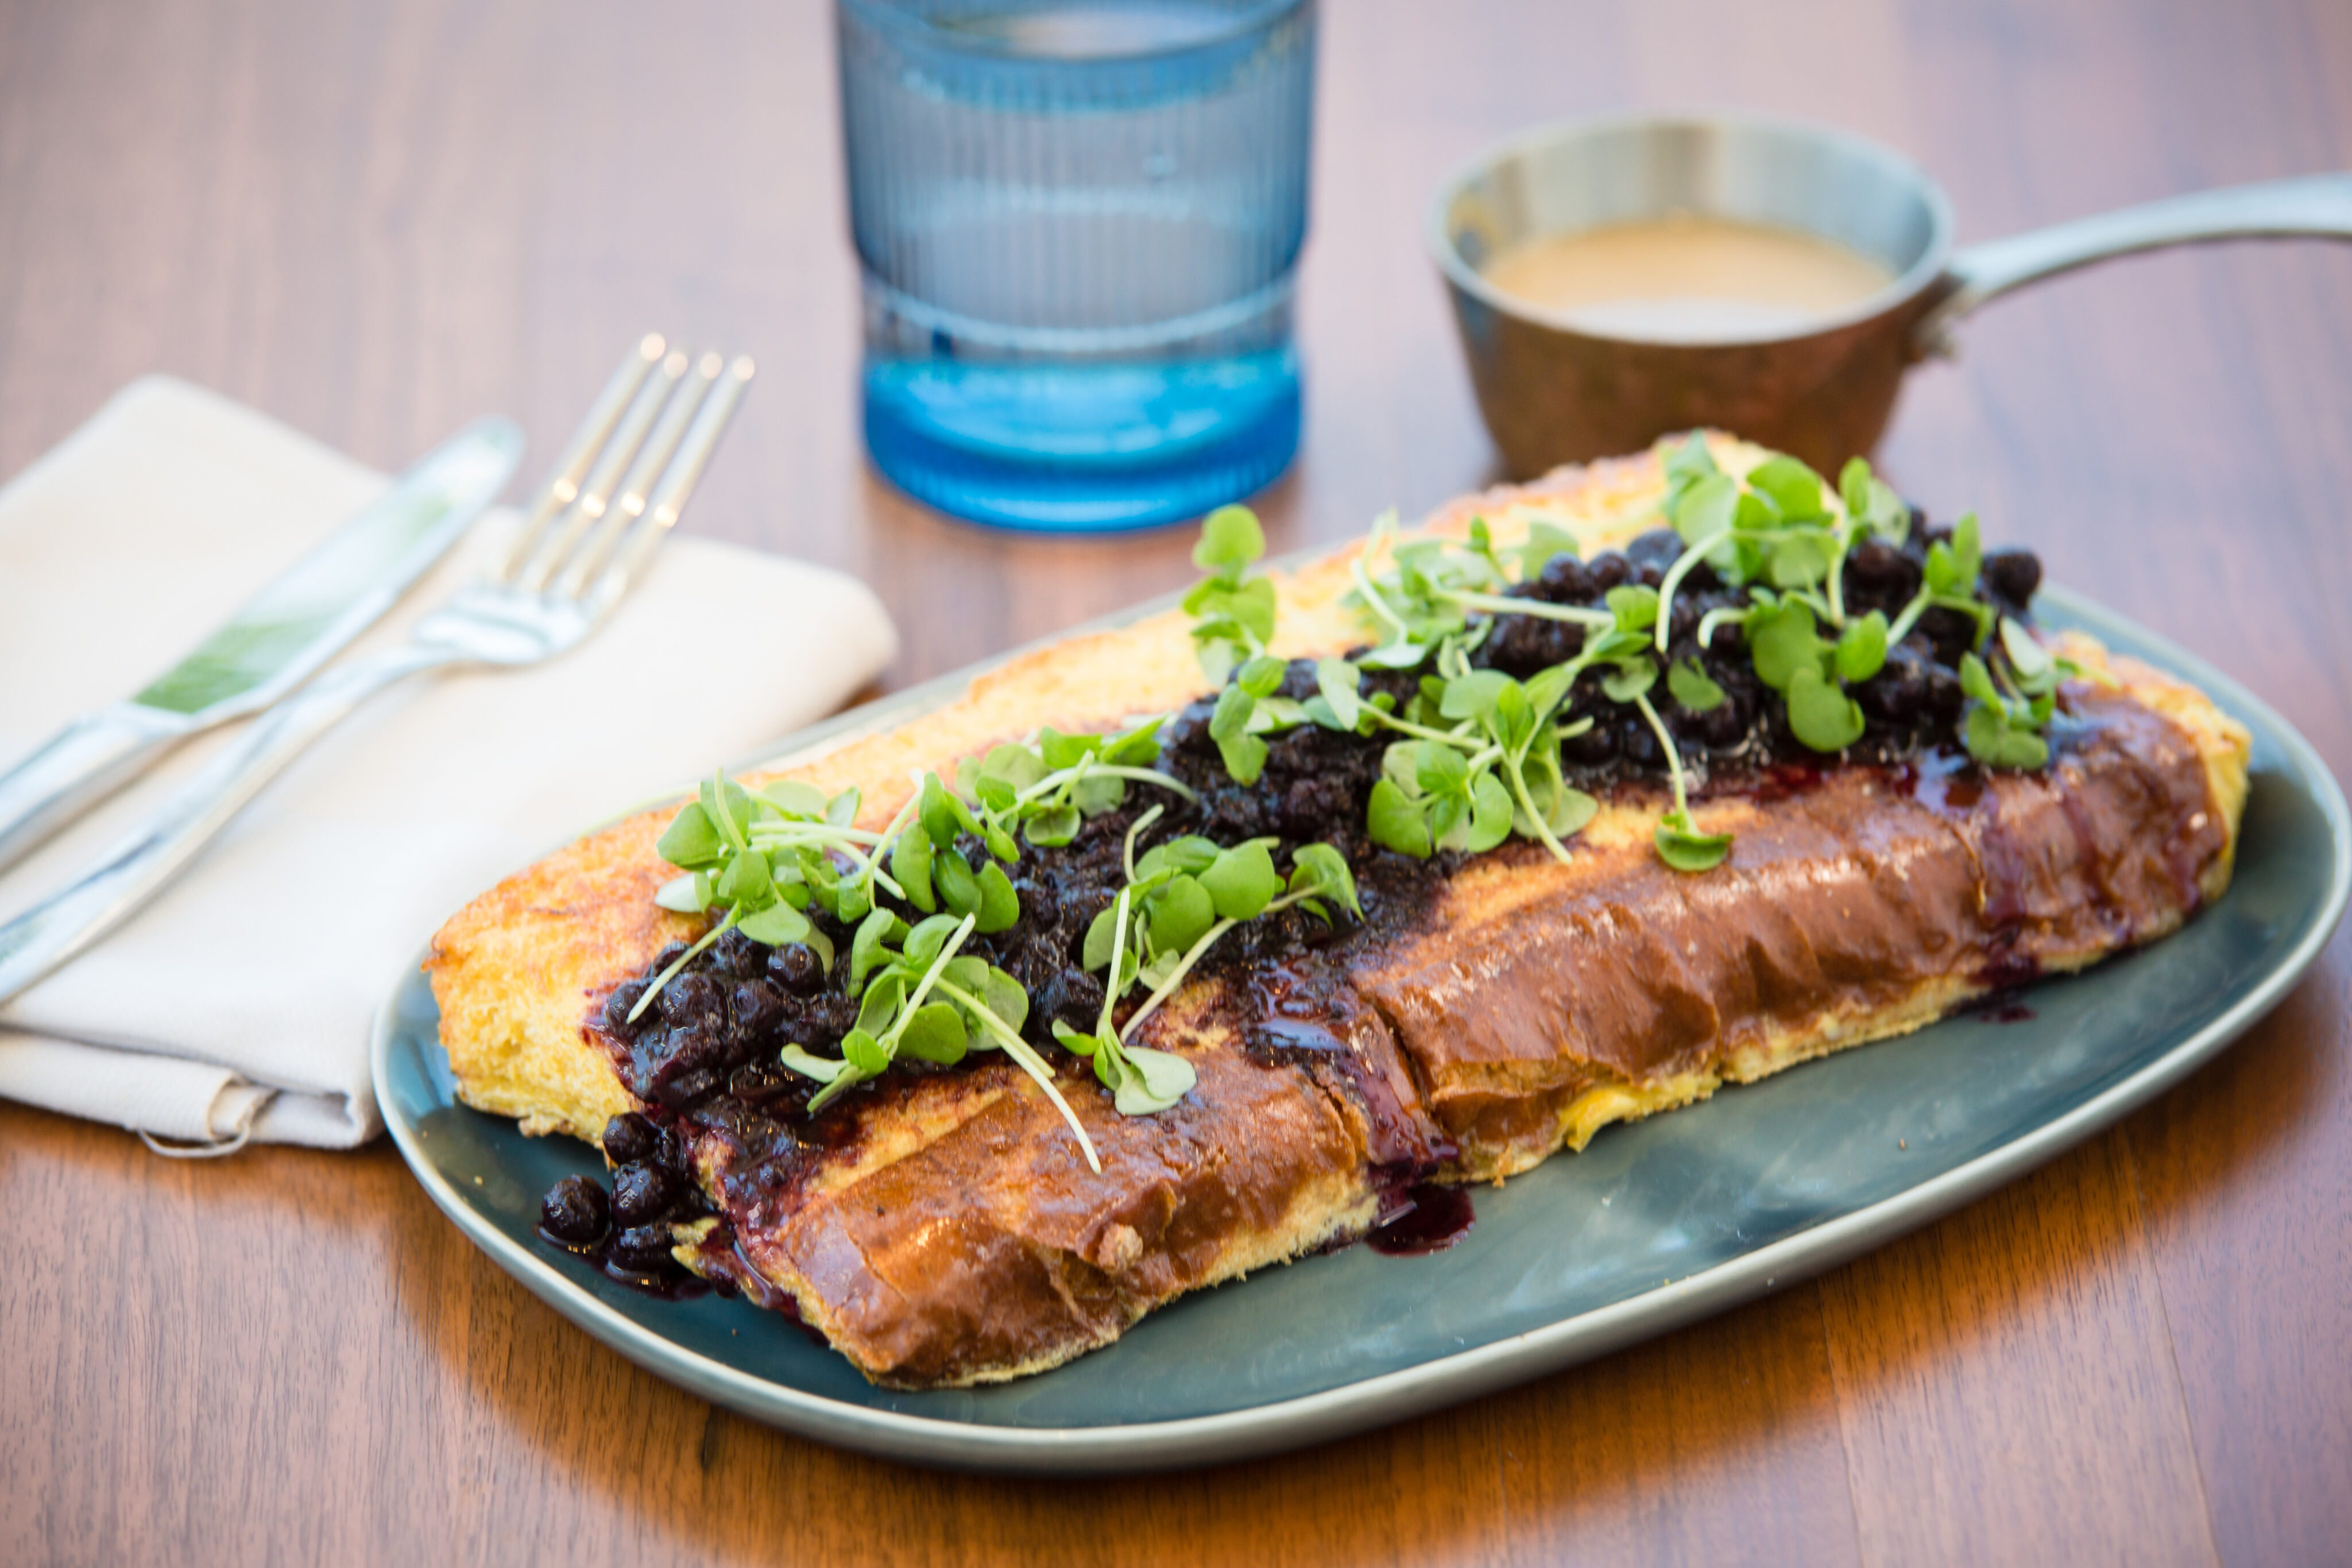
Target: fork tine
x: 629, y: 503
x: 562, y: 486
x: 677, y: 485
x: 556, y: 540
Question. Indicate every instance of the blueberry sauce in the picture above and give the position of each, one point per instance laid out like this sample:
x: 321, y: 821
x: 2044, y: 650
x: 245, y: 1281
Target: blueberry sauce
x: 1433, y: 1221
x: 703, y: 1060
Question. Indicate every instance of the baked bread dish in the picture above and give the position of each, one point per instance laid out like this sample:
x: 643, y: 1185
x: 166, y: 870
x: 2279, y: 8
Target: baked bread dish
x: 1175, y: 951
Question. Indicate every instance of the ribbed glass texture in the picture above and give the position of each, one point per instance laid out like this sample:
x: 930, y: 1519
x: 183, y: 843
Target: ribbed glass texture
x: 1078, y: 221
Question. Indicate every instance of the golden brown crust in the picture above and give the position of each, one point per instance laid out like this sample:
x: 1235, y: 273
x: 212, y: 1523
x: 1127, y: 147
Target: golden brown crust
x: 1543, y: 1000
x: 991, y: 1250
x: 958, y: 1238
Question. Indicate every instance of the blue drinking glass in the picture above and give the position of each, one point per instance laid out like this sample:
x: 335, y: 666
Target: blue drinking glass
x: 1078, y: 222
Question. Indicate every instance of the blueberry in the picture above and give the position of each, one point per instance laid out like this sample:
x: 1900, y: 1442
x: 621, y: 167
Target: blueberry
x: 1882, y: 571
x: 1949, y: 632
x: 1594, y: 746
x: 1945, y: 697
x: 823, y: 1020
x: 1072, y: 995
x: 692, y: 1047
x: 762, y: 1081
x: 737, y: 954
x: 684, y: 1090
x: 2014, y: 574
x: 796, y: 967
x: 618, y: 1004
x: 1659, y: 547
x: 1041, y: 902
x: 1699, y: 578
x: 643, y: 1193
x: 1608, y: 572
x: 758, y: 1010
x: 629, y: 1138
x: 643, y: 1250
x: 660, y: 1063
x: 1565, y: 580
x: 1898, y: 692
x: 1313, y: 802
x: 690, y: 998
x: 1723, y: 726
x: 1522, y: 644
x: 575, y: 1211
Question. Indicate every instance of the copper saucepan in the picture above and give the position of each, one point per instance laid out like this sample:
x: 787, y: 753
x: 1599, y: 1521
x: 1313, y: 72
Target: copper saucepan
x: 1555, y: 392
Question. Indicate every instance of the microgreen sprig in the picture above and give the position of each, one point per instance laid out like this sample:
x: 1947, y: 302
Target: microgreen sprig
x: 1774, y: 532
x: 1775, y: 527
x: 1045, y: 790
x: 895, y: 970
x: 1234, y: 611
x: 1419, y: 602
x: 1680, y: 843
x: 762, y: 858
x: 1949, y: 582
x: 1496, y: 771
x: 1245, y: 711
x: 2010, y: 699
x: 1142, y: 1081
x: 1184, y: 895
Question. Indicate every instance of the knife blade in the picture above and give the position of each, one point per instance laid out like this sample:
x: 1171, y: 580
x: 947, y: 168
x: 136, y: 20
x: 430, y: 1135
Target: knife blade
x: 275, y: 642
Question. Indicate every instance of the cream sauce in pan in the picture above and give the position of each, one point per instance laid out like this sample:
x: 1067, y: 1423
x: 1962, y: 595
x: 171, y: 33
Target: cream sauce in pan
x: 1687, y: 277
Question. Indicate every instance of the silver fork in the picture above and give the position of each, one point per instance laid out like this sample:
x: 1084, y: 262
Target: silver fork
x: 596, y: 522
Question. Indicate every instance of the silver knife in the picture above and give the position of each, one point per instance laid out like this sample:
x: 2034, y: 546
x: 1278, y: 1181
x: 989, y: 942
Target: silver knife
x: 275, y: 642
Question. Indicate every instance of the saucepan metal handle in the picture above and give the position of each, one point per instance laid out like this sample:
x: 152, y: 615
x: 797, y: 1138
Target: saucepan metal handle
x: 2314, y: 204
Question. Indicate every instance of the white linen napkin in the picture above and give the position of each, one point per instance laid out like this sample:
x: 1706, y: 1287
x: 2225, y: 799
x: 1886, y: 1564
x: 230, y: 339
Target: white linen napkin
x: 237, y: 1004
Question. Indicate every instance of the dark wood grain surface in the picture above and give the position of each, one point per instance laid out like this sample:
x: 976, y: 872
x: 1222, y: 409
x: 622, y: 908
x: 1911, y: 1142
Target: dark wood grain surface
x: 374, y: 221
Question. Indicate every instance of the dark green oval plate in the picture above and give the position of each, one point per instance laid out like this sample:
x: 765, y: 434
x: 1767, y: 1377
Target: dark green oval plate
x: 1653, y: 1226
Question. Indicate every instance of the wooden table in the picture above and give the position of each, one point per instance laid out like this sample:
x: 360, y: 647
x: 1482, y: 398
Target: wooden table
x: 374, y: 221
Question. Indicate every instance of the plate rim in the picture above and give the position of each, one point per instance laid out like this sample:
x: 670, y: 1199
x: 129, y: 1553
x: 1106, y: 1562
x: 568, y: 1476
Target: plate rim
x: 1132, y: 1448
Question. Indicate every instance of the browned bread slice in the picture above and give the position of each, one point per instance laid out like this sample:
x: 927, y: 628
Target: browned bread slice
x: 946, y: 1230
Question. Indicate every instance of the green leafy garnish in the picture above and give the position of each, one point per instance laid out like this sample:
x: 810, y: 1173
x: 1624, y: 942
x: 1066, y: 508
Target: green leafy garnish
x: 1338, y: 688
x: 1693, y: 687
x: 1862, y: 648
x: 1782, y: 639
x: 1872, y: 502
x: 1819, y: 713
x: 1240, y: 883
x: 1949, y: 582
x: 1685, y: 848
x: 1545, y: 541
x: 1429, y: 797
x: 1042, y: 792
x: 1234, y: 611
x: 1680, y: 844
x: 895, y: 970
x: 762, y: 860
x: 2002, y: 728
x: 1235, y: 725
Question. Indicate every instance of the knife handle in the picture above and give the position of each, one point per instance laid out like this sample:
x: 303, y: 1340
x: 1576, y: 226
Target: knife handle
x: 80, y: 765
x: 137, y: 867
